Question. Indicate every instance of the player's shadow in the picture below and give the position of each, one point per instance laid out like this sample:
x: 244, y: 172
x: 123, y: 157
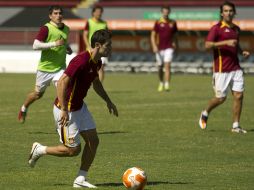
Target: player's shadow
x: 150, y: 183
x: 43, y: 133
x: 251, y: 130
x: 111, y: 132
x: 121, y: 92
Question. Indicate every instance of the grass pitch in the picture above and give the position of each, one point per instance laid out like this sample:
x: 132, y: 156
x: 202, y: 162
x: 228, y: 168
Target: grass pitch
x: 157, y: 132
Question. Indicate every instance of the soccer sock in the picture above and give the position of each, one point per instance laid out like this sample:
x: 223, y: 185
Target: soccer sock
x: 81, y: 175
x: 42, y: 150
x: 166, y: 83
x: 235, y: 125
x: 23, y: 108
x: 205, y: 113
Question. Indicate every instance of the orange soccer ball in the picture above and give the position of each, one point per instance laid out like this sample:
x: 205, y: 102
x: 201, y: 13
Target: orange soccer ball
x: 134, y: 178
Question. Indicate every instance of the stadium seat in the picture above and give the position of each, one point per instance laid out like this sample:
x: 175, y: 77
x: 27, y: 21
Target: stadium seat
x: 39, y: 3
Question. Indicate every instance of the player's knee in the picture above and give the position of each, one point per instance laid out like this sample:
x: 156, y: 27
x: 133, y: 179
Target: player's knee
x: 74, y: 151
x: 238, y: 96
x: 38, y: 95
x: 222, y: 99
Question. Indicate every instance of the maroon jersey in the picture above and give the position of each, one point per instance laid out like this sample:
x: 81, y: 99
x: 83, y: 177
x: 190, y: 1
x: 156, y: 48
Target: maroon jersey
x: 165, y: 30
x: 82, y: 70
x: 43, y: 34
x: 225, y: 57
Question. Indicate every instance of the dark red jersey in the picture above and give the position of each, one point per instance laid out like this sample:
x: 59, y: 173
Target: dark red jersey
x: 165, y: 30
x: 225, y: 57
x: 82, y: 70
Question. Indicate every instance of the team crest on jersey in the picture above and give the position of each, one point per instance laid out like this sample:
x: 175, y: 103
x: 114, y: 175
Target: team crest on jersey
x: 162, y: 24
x: 71, y: 140
x: 226, y: 30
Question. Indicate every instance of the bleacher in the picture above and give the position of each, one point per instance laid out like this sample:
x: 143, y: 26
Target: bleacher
x: 199, y: 62
x: 182, y: 3
x: 38, y: 3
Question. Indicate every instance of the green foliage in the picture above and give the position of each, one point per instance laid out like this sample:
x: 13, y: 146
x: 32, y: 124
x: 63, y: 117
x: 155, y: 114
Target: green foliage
x: 155, y: 131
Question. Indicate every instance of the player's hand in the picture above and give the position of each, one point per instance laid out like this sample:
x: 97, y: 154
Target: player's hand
x: 112, y: 109
x: 69, y: 50
x: 246, y: 54
x: 60, y: 42
x: 64, y: 118
x: 155, y: 49
x: 231, y: 43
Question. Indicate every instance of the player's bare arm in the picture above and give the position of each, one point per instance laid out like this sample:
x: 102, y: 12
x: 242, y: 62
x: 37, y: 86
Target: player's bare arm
x: 153, y: 41
x: 103, y: 94
x: 211, y: 45
x: 244, y: 53
x: 61, y: 94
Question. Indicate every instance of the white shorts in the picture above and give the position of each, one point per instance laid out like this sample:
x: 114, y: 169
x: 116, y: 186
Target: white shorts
x: 79, y: 121
x: 222, y: 81
x: 164, y: 56
x: 43, y: 79
x: 104, y: 60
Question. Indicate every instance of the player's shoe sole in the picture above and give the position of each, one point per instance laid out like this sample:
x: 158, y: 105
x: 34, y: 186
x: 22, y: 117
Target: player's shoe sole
x: 203, y: 121
x: 22, y: 116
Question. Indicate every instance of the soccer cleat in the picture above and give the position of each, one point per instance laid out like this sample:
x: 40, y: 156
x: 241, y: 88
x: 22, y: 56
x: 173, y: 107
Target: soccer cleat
x: 22, y: 116
x: 203, y: 121
x: 166, y: 87
x: 83, y: 184
x: 160, y: 87
x: 34, y: 155
x: 238, y: 130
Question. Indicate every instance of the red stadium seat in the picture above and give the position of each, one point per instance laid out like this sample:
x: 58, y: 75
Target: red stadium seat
x: 39, y: 3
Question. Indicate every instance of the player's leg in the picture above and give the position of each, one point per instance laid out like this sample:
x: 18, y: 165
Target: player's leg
x: 220, y: 84
x: 237, y: 92
x: 167, y: 75
x: 69, y: 137
x: 91, y: 143
x: 57, y: 76
x: 38, y: 150
x: 89, y: 134
x: 159, y: 61
x: 42, y: 82
x: 168, y: 56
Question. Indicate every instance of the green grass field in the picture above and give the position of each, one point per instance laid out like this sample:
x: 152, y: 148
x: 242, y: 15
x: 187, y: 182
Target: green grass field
x: 156, y: 131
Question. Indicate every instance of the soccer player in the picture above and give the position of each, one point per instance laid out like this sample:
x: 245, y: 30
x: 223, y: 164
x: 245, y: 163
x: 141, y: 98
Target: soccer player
x: 52, y: 41
x: 223, y: 39
x: 93, y: 24
x: 71, y: 115
x: 164, y: 42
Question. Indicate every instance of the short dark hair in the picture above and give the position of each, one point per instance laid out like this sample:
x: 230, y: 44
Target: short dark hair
x: 228, y: 3
x: 55, y: 7
x: 97, y: 7
x: 100, y: 36
x: 165, y: 7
